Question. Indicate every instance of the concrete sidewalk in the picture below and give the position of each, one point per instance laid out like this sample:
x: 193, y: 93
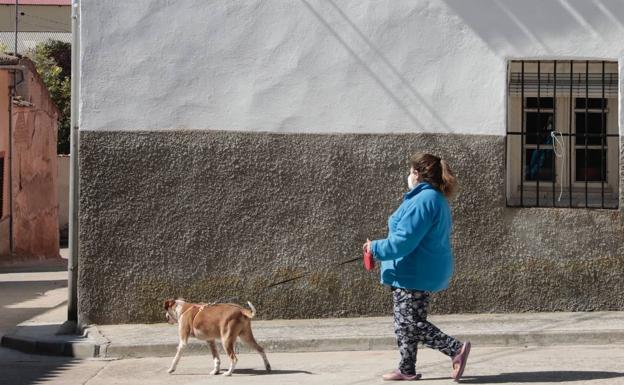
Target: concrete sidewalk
x: 34, y: 305
x: 376, y: 333
x: 370, y: 333
x: 35, y: 309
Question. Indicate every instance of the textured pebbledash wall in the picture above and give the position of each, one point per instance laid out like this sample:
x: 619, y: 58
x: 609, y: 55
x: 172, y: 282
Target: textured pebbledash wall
x: 216, y: 215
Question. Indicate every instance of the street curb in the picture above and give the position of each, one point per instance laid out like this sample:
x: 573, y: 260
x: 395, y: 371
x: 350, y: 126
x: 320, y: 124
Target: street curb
x: 51, y: 347
x: 518, y: 339
x: 93, y: 344
x: 67, y: 345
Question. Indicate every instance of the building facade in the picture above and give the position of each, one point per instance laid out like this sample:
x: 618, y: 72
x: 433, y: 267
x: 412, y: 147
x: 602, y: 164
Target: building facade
x: 29, y: 226
x: 243, y: 150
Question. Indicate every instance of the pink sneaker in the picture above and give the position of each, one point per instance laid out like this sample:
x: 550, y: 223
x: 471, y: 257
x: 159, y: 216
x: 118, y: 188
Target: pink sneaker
x: 459, y: 361
x: 396, y: 375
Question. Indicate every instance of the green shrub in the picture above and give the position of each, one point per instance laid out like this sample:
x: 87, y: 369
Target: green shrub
x: 53, y: 62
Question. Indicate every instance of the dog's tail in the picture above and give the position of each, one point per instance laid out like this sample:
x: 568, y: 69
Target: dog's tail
x: 253, y: 310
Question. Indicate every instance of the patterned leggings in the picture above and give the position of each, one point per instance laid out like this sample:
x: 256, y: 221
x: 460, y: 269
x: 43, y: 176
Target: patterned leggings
x: 411, y: 327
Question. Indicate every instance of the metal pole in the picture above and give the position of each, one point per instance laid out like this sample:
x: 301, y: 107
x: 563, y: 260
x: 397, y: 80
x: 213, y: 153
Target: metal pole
x: 16, y: 23
x: 603, y: 138
x: 72, y: 303
x: 522, y: 138
x: 12, y: 95
x: 586, y: 125
x: 554, y: 129
x: 570, y: 144
x: 539, y: 132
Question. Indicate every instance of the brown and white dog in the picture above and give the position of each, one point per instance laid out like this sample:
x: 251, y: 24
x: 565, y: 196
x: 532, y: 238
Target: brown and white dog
x: 208, y: 322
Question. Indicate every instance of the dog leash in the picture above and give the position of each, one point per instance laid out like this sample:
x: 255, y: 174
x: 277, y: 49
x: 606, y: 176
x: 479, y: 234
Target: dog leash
x: 302, y: 275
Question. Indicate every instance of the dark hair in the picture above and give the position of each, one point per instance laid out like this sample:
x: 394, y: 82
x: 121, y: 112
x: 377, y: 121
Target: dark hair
x: 436, y: 172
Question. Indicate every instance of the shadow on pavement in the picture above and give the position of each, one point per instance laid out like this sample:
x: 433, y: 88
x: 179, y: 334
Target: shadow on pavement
x: 28, y: 290
x: 249, y: 372
x: 24, y: 369
x: 27, y: 293
x: 257, y: 372
x: 45, y: 266
x: 549, y: 376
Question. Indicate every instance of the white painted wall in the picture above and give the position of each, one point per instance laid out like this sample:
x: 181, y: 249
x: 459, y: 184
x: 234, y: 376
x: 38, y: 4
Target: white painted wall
x: 325, y: 66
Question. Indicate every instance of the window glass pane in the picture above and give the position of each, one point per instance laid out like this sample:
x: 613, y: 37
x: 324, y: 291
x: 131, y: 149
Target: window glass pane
x: 591, y: 103
x: 592, y: 172
x: 539, y: 165
x: 543, y: 103
x: 593, y: 132
x: 538, y: 127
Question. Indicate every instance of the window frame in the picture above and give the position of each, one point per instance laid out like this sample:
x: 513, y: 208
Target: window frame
x: 583, y: 194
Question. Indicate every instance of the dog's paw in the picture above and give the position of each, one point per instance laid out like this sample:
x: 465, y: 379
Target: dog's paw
x: 170, y: 370
x: 227, y: 374
x: 214, y: 371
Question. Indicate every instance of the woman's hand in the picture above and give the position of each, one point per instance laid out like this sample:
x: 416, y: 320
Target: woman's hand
x: 369, y: 261
x: 366, y: 247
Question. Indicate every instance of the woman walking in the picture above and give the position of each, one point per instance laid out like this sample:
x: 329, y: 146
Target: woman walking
x: 417, y: 260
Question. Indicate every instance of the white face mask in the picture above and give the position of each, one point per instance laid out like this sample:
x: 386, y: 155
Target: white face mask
x: 410, y: 181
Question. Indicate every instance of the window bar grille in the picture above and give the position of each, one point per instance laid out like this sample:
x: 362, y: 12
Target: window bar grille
x: 576, y: 148
x: 603, y: 132
x: 539, y: 127
x: 522, y: 172
x: 570, y: 143
x: 586, y: 124
x: 554, y: 127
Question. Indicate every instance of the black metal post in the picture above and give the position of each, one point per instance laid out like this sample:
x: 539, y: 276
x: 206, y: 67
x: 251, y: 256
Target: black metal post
x: 539, y: 124
x: 603, y: 132
x: 522, y: 172
x: 554, y: 128
x: 586, y: 124
x: 570, y: 136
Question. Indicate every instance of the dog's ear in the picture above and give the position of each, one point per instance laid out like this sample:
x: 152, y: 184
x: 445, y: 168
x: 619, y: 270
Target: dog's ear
x: 169, y: 303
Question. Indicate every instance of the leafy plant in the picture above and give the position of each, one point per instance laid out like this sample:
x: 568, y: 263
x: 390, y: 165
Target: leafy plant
x: 53, y: 62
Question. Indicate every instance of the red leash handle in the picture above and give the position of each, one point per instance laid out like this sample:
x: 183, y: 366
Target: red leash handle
x: 369, y: 261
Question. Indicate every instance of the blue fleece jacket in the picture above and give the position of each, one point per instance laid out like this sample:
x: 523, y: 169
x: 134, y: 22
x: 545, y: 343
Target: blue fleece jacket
x: 417, y: 253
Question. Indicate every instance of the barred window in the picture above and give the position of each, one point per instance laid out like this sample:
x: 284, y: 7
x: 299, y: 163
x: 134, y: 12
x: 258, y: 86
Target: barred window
x: 562, y: 134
